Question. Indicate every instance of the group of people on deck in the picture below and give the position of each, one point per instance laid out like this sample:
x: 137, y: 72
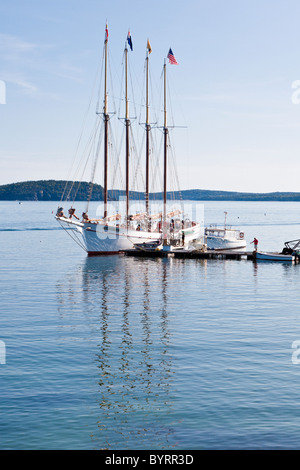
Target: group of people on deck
x: 71, y: 211
x: 172, y: 226
x: 85, y: 219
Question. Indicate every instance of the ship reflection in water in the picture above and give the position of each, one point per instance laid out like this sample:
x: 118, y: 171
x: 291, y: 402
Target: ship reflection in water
x: 127, y: 306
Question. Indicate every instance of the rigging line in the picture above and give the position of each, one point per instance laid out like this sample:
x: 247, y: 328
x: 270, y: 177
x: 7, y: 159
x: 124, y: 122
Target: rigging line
x: 140, y: 154
x: 121, y: 99
x: 155, y: 167
x: 134, y: 89
x: 173, y: 188
x: 116, y: 78
x: 122, y: 87
x: 82, y: 127
x: 79, y: 243
x: 143, y: 97
x: 64, y: 191
x: 118, y: 158
x: 116, y: 170
x: 174, y: 161
x: 79, y: 182
x: 170, y: 110
x: 161, y: 100
x: 100, y: 86
x: 132, y: 101
x: 73, y: 236
x: 142, y: 147
x: 90, y: 188
x: 92, y: 136
x: 114, y: 164
x: 155, y: 110
x: 157, y: 172
x: 96, y: 154
x: 176, y: 177
x: 96, y: 160
x: 81, y: 178
x: 136, y: 172
x: 135, y: 169
x: 89, y: 144
x: 114, y: 189
x: 178, y: 102
x: 111, y: 84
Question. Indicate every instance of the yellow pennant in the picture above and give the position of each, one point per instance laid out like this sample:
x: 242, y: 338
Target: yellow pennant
x: 149, y: 47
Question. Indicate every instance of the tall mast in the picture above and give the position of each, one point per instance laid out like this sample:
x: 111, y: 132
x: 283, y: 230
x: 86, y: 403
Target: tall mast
x: 166, y: 132
x: 147, y: 137
x: 106, y: 120
x: 127, y: 124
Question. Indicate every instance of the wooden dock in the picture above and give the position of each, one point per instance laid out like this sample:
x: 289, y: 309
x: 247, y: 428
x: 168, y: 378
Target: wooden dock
x: 187, y: 254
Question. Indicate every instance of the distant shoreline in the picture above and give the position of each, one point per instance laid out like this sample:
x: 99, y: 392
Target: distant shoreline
x: 52, y: 190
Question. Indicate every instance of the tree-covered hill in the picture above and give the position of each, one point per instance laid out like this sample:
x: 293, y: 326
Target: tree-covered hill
x: 210, y: 195
x: 48, y: 191
x: 53, y: 190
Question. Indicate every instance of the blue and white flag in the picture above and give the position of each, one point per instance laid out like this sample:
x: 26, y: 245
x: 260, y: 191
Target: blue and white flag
x: 129, y: 40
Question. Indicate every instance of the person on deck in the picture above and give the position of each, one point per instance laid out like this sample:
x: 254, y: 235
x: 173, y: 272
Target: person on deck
x: 255, y: 243
x: 85, y: 218
x: 72, y: 214
x: 60, y: 212
x: 172, y: 228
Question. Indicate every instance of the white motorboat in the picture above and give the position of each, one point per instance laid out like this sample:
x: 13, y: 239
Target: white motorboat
x: 224, y: 239
x: 113, y: 233
x: 217, y: 238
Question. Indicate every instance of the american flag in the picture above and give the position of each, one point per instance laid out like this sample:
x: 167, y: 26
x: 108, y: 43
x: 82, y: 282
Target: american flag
x: 171, y: 58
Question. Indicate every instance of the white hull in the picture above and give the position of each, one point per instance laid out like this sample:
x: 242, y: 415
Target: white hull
x: 224, y: 239
x: 273, y: 256
x: 214, y: 243
x: 100, y: 239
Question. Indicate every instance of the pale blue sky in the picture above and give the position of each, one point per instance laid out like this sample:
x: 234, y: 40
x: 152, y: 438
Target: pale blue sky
x: 237, y: 63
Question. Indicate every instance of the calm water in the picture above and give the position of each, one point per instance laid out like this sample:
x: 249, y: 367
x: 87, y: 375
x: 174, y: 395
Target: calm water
x: 123, y: 353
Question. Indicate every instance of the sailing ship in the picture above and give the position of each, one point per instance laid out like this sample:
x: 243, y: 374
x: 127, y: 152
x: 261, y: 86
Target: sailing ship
x: 114, y: 233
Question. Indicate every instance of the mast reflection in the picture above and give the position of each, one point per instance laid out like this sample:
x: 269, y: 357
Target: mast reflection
x: 133, y: 359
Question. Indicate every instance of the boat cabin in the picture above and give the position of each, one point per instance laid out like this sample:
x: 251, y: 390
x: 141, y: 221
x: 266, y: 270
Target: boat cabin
x: 229, y: 234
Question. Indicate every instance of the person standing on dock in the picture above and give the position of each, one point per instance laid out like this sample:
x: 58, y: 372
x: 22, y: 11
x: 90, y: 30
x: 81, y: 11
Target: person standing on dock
x: 255, y: 242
